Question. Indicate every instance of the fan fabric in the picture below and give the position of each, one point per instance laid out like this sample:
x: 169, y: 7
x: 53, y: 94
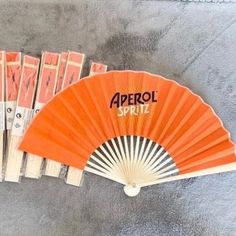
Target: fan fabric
x: 86, y: 115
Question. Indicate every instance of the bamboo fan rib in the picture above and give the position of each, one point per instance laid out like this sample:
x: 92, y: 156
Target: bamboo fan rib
x: 135, y: 128
x: 131, y: 160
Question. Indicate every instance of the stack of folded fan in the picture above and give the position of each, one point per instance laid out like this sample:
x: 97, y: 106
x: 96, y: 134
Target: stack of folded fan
x: 27, y: 84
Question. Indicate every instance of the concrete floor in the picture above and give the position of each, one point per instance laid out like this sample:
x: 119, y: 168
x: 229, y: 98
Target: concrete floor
x: 192, y: 43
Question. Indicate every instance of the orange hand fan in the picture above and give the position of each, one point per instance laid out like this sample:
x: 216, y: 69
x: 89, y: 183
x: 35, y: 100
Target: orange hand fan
x: 132, y: 127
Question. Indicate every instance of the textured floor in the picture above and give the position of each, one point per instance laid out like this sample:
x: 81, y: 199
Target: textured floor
x: 192, y: 43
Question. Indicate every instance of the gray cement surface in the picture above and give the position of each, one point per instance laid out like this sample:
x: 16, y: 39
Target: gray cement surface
x: 192, y: 43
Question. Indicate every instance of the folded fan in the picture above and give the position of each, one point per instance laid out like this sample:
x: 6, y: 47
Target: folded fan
x: 74, y: 175
x: 132, y: 127
x: 72, y: 73
x: 2, y: 108
x: 22, y: 116
x: 45, y: 91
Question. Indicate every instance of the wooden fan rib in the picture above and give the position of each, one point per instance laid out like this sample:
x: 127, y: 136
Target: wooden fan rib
x: 155, y: 175
x: 162, y: 164
x: 136, y: 151
x: 155, y: 158
x: 198, y: 160
x: 208, y: 171
x: 154, y: 170
x: 127, y: 157
x: 140, y: 154
x: 131, y: 148
x: 123, y: 156
x: 104, y: 159
x: 33, y: 166
x: 151, y: 155
x: 100, y: 166
x: 118, y: 154
x: 88, y: 169
x: 147, y: 150
x: 158, y: 161
x: 142, y: 157
x: 117, y: 160
x: 164, y: 175
x: 165, y: 169
x: 112, y: 159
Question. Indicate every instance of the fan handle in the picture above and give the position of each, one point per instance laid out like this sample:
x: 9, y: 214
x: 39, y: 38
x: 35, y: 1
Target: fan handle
x: 131, y: 190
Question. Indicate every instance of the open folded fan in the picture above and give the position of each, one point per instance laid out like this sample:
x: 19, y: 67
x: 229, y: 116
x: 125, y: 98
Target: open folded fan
x: 135, y: 128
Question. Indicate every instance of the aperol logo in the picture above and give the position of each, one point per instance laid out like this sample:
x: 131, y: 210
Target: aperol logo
x: 133, y: 103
